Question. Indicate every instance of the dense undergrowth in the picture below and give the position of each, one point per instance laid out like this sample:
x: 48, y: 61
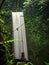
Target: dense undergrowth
x: 36, y: 14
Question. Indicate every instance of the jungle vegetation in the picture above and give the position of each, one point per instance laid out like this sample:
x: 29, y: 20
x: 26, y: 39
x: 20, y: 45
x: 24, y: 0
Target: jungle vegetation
x: 36, y: 14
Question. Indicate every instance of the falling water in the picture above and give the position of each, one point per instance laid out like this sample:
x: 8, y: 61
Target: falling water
x: 20, y: 46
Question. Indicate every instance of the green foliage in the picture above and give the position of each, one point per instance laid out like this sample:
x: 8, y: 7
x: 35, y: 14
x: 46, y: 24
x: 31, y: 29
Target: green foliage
x: 24, y: 63
x: 20, y: 63
x: 3, y: 57
x: 46, y: 63
x: 36, y: 13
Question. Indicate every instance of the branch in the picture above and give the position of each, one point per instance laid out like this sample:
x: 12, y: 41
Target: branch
x: 2, y: 4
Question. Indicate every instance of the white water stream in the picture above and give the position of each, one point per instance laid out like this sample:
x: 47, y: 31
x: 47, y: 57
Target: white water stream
x: 19, y: 34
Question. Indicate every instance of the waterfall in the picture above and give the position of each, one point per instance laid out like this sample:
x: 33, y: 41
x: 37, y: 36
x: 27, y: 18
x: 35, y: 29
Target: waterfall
x: 20, y: 46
